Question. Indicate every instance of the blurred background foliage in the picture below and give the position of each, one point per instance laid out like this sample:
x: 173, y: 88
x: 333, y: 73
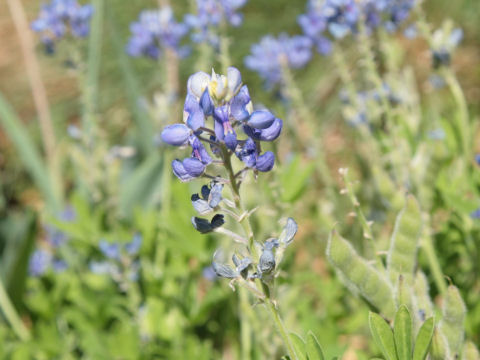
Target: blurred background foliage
x: 184, y: 314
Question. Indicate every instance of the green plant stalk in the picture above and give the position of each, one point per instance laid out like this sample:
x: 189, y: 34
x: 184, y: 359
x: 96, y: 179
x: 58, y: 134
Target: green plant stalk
x: 432, y: 258
x: 245, y: 328
x: 459, y: 97
x: 11, y: 315
x: 245, y: 222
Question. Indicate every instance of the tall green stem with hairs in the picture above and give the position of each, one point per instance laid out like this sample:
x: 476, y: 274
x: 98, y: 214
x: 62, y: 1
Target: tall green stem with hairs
x: 245, y: 223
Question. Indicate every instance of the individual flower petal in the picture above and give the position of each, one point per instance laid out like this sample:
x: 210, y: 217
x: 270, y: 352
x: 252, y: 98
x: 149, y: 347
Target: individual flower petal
x: 193, y: 167
x: 180, y: 172
x: 206, y: 103
x: 265, y: 161
x: 197, y: 83
x: 176, y: 134
x: 224, y: 270
x: 288, y: 232
x: 261, y: 119
x: 234, y: 81
x: 272, y: 132
x: 200, y: 205
x: 241, y: 106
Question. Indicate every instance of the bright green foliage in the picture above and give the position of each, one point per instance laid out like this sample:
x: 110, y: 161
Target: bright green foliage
x: 383, y: 336
x: 439, y: 349
x: 422, y: 301
x: 369, y: 282
x: 423, y: 340
x: 402, y: 332
x: 404, y: 241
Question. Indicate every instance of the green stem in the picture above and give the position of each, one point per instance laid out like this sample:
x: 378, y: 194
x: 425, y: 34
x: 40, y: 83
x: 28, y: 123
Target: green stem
x: 459, y: 97
x: 245, y: 328
x: 245, y: 222
x: 281, y: 329
x: 11, y: 315
x: 432, y: 258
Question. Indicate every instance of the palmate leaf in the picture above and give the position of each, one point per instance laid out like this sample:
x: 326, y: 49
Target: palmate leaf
x: 402, y: 333
x: 424, y: 339
x: 383, y: 336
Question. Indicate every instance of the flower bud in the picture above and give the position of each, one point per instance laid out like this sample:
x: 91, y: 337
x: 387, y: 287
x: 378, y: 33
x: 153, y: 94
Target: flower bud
x: 265, y: 162
x: 452, y: 323
x: 261, y: 119
x: 176, y: 134
x: 197, y: 83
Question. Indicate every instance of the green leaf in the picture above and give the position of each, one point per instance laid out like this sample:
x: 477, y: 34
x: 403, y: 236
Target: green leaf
x: 424, y: 338
x: 140, y: 185
x: 294, y: 178
x: 28, y: 152
x: 403, y: 333
x: 299, y: 346
x: 383, y: 336
x: 314, y: 350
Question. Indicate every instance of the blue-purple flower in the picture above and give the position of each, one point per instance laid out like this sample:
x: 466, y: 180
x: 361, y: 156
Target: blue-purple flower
x: 270, y: 54
x: 39, y: 262
x: 226, y: 101
x: 444, y: 42
x: 154, y: 31
x: 60, y: 18
x: 210, y: 15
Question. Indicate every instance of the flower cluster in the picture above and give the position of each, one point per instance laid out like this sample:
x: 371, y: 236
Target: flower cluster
x: 62, y: 17
x: 120, y: 261
x: 227, y: 102
x: 154, y: 31
x: 336, y: 19
x: 270, y: 54
x: 210, y: 15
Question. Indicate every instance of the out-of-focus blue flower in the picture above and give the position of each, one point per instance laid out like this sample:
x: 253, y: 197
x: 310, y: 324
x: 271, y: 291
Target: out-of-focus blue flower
x: 209, y: 273
x: 327, y: 20
x: 111, y: 250
x: 62, y: 17
x: 444, y: 42
x: 154, y: 31
x: 133, y: 247
x: 39, y: 262
x: 210, y: 15
x: 58, y: 265
x: 270, y: 54
x: 475, y: 214
x: 477, y: 159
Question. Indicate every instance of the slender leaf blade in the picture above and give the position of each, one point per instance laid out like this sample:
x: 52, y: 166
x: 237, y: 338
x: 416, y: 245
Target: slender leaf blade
x: 383, y: 336
x: 402, y: 333
x: 314, y: 350
x: 424, y: 339
x: 299, y: 346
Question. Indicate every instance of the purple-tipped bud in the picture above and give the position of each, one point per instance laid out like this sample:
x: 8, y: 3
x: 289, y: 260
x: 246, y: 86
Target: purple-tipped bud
x: 206, y: 103
x: 262, y: 119
x: 193, y: 167
x: 176, y: 134
x: 265, y: 162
